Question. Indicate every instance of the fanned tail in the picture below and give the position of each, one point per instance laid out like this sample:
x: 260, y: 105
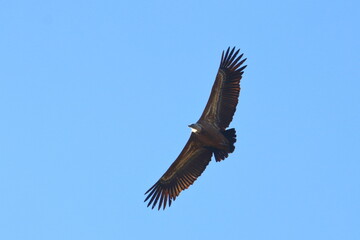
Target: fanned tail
x: 230, y: 135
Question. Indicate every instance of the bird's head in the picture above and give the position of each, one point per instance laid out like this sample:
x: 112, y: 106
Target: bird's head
x: 195, y: 128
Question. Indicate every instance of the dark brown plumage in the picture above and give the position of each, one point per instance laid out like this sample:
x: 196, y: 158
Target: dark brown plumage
x: 209, y: 135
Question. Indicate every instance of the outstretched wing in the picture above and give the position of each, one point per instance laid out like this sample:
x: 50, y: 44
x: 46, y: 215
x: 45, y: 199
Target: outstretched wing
x: 223, y: 99
x: 188, y: 166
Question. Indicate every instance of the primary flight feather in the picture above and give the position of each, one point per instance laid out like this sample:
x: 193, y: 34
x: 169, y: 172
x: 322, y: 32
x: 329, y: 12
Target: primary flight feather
x: 209, y: 134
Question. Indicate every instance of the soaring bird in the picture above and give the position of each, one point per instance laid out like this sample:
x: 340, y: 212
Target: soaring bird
x: 209, y: 136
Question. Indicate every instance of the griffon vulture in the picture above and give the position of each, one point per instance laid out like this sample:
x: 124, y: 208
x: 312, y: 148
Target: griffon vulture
x: 209, y: 134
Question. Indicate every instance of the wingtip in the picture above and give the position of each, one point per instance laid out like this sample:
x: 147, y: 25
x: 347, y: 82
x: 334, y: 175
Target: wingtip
x: 231, y: 59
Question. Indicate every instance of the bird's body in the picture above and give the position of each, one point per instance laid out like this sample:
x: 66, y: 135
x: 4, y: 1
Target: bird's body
x: 209, y: 134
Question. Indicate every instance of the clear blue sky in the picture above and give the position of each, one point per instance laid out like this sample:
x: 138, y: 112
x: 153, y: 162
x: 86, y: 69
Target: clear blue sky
x: 96, y: 96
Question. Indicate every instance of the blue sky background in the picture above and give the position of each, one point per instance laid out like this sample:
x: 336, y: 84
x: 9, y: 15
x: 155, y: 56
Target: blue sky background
x: 96, y: 96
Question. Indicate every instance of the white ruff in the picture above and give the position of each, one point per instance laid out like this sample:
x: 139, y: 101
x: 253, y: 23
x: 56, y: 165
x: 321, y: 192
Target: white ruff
x: 194, y: 130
